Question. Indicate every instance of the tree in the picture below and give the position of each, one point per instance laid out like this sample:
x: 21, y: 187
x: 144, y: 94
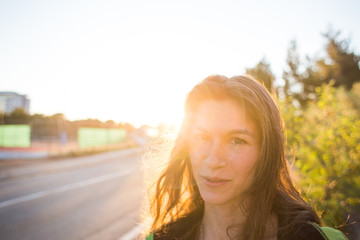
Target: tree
x: 291, y: 75
x: 110, y: 124
x: 262, y: 72
x: 58, y: 117
x: 18, y: 116
x: 300, y: 85
x: 127, y: 126
x: 341, y: 65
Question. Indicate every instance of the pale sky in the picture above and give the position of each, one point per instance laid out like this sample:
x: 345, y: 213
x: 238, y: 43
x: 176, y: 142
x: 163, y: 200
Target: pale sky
x: 134, y: 61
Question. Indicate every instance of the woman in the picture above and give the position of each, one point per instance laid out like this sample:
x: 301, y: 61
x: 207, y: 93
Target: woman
x: 227, y: 176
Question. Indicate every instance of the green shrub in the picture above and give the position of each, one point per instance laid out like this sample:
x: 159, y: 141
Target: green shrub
x: 323, y: 141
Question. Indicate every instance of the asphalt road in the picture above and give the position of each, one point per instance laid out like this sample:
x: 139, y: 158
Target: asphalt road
x: 95, y: 197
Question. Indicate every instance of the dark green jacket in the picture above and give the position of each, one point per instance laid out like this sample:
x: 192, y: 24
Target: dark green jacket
x: 186, y: 229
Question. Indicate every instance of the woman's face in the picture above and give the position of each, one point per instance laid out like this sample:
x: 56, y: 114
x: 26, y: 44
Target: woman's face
x: 224, y: 147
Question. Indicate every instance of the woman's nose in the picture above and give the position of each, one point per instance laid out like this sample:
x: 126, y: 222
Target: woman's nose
x: 216, y: 157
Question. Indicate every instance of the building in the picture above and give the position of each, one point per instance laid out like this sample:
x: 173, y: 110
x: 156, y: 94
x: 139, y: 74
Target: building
x: 9, y: 101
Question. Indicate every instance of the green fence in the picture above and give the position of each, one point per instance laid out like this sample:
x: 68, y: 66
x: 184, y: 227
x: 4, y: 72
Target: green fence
x: 15, y: 135
x: 95, y: 137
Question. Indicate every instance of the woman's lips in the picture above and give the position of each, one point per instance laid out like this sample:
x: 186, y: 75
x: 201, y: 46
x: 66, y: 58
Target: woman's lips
x: 214, y: 182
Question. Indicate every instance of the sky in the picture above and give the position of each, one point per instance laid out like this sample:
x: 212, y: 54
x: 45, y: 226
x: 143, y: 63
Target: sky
x: 135, y: 60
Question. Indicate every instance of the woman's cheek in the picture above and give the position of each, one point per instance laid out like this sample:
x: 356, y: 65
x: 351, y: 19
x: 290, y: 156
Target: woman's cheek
x: 195, y: 158
x: 244, y: 160
x: 198, y: 151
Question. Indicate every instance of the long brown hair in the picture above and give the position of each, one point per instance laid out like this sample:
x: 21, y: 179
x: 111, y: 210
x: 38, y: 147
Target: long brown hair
x: 272, y: 191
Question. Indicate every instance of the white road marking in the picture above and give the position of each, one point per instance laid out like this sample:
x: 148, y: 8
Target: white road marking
x: 133, y: 233
x: 65, y: 188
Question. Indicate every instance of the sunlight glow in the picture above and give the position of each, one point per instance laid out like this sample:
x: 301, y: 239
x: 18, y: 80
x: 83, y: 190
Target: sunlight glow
x: 135, y: 62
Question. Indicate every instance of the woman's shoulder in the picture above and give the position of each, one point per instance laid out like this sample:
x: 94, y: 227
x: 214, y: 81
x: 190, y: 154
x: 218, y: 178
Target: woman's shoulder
x: 330, y: 233
x: 312, y: 231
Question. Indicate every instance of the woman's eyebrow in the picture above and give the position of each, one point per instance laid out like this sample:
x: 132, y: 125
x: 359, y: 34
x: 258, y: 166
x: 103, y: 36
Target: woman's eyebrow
x: 200, y: 129
x: 236, y: 131
x: 242, y: 131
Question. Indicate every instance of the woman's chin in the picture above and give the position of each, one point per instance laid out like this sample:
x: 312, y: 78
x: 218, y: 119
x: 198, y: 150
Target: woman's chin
x: 214, y: 199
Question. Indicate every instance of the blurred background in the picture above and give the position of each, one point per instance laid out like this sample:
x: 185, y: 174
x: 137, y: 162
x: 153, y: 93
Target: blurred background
x: 84, y: 85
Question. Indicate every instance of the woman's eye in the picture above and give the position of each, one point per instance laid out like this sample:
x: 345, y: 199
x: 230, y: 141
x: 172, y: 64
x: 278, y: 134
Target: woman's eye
x: 238, y: 141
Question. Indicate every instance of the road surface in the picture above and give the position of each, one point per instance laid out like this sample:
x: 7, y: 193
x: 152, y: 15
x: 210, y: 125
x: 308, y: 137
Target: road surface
x: 95, y: 197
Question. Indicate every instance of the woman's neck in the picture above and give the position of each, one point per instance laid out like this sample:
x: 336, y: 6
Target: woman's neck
x: 221, y: 221
x: 218, y: 220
